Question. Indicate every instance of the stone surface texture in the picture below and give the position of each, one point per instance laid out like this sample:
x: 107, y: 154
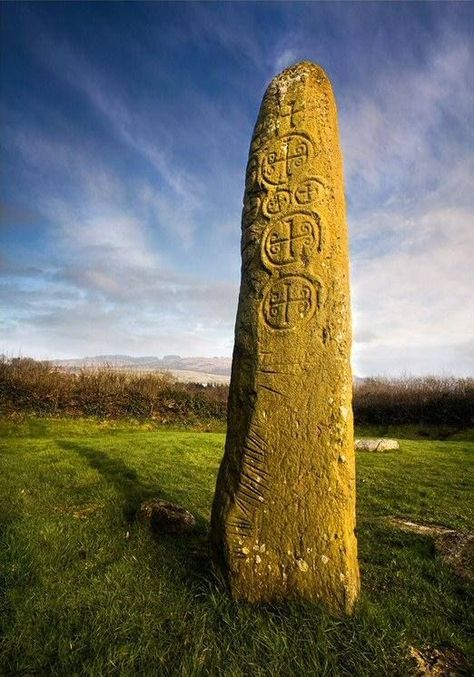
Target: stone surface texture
x: 380, y: 444
x: 283, y: 516
x: 165, y: 517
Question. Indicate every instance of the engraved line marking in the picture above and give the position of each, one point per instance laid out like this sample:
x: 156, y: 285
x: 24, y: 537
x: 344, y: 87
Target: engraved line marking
x: 253, y: 475
x: 256, y: 433
x: 258, y: 457
x: 272, y: 390
x: 254, y: 457
x: 270, y: 372
x: 242, y: 505
x: 256, y: 452
x: 255, y: 467
x: 257, y: 470
x: 242, y: 524
x: 260, y: 449
x: 258, y: 483
x: 255, y: 483
x: 249, y: 491
x: 257, y: 425
x: 262, y: 442
x: 235, y: 532
x: 246, y: 495
x: 252, y: 500
x: 251, y: 494
x: 250, y: 487
x: 257, y: 443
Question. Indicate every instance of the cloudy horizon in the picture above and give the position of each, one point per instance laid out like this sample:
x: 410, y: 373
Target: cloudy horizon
x: 125, y: 136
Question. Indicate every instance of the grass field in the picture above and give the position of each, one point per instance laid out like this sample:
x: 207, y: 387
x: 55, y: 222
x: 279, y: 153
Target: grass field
x: 86, y: 590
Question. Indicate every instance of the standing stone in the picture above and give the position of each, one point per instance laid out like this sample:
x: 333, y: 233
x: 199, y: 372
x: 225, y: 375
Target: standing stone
x: 283, y: 516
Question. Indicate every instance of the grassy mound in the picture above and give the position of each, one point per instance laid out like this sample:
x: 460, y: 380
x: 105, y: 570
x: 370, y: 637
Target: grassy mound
x: 85, y: 589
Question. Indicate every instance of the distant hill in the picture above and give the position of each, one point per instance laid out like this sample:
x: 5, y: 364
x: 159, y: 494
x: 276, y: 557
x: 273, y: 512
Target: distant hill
x: 186, y: 369
x: 205, y: 369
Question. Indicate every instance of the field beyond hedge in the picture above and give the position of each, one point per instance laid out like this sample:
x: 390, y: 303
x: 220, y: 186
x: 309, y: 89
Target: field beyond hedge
x: 86, y: 590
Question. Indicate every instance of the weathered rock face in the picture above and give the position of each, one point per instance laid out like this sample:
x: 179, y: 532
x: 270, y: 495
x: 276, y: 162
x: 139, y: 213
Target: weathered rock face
x: 284, y: 510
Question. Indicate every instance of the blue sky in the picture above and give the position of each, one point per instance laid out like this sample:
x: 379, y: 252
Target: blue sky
x: 125, y: 130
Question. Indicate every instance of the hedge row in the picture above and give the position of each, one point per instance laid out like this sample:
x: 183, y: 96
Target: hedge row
x: 38, y: 388
x: 427, y: 400
x: 29, y: 386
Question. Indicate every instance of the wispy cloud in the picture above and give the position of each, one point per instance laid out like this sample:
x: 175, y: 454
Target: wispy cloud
x: 287, y: 57
x: 410, y: 128
x: 173, y: 183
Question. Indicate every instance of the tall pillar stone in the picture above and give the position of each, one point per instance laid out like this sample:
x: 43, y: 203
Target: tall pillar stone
x: 283, y: 516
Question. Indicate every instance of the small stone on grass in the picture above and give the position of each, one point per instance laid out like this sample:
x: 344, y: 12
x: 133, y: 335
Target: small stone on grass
x: 377, y: 444
x: 165, y: 517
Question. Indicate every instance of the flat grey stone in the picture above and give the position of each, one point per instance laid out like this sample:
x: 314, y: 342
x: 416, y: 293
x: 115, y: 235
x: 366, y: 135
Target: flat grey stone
x: 376, y: 444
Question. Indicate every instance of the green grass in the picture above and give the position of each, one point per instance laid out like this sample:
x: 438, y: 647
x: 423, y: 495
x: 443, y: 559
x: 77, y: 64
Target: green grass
x: 86, y: 590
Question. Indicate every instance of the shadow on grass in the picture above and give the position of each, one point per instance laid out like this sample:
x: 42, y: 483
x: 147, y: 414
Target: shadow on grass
x: 189, y: 550
x: 126, y: 482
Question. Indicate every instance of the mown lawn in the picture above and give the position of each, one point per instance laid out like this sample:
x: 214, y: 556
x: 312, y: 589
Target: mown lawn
x: 86, y: 590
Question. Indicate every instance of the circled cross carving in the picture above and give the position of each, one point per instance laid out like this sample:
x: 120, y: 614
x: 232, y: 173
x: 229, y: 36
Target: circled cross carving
x: 310, y: 190
x: 292, y: 239
x: 289, y: 302
x: 284, y: 156
x: 278, y: 202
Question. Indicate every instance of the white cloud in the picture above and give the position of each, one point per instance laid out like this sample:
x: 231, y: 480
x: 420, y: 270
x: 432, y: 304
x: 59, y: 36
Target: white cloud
x: 410, y: 170
x: 418, y: 298
x: 286, y: 58
x: 395, y: 133
x: 161, y: 316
